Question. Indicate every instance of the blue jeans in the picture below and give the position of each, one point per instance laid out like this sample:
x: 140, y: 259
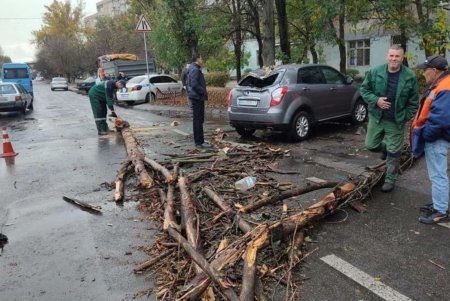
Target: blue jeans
x: 436, y: 156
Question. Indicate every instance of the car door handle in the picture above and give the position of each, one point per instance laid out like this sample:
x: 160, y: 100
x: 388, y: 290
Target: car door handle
x: 333, y: 89
x: 306, y: 89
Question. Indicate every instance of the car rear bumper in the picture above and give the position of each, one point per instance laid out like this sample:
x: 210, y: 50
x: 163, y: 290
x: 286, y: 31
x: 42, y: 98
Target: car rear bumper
x: 272, y: 118
x: 11, y: 106
x: 130, y: 97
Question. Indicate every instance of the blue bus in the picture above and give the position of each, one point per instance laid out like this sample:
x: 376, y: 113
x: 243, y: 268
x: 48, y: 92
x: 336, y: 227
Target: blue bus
x: 18, y: 73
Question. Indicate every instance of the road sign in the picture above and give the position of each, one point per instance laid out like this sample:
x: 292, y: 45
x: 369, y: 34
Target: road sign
x: 142, y: 25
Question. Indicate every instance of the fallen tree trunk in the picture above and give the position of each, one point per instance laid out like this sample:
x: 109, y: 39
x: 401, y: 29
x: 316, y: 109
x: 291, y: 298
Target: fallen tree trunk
x: 189, y: 219
x: 137, y: 157
x: 120, y: 179
x: 285, y: 195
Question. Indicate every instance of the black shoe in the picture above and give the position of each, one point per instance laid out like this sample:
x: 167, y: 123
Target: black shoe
x: 426, y: 208
x: 434, y: 217
x: 203, y: 145
x: 102, y: 133
x: 387, y: 187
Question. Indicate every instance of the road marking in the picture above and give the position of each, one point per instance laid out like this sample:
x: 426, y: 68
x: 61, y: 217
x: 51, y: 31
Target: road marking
x: 369, y: 282
x: 180, y: 132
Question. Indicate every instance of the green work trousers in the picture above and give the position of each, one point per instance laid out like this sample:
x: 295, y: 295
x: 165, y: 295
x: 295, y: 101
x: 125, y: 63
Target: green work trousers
x: 384, y: 136
x: 99, y: 110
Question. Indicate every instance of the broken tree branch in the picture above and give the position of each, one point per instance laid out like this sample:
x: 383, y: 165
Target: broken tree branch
x: 83, y: 205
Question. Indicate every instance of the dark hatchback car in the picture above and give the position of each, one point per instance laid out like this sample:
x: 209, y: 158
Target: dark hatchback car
x: 292, y: 99
x: 86, y: 84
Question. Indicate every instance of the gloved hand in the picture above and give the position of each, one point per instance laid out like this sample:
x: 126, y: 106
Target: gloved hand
x: 113, y: 114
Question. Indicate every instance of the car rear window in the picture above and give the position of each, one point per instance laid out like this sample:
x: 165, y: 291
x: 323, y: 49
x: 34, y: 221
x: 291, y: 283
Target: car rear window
x: 59, y: 79
x: 136, y: 80
x: 259, y: 82
x: 7, y: 89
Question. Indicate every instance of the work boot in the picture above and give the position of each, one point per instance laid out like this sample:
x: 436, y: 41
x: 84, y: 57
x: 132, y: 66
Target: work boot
x: 392, y: 168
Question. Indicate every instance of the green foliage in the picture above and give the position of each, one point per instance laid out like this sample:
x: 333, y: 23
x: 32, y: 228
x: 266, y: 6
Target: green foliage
x: 436, y: 40
x: 421, y: 80
x: 216, y: 79
x: 352, y: 72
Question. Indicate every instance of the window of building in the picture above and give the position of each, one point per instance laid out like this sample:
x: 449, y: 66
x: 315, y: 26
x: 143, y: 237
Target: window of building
x: 359, y: 53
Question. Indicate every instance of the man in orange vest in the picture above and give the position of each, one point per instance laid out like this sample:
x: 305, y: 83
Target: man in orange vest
x: 431, y: 135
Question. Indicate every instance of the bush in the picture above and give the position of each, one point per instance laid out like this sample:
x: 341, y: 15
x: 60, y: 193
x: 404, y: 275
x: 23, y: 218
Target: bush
x: 352, y: 72
x: 216, y: 79
x: 217, y: 98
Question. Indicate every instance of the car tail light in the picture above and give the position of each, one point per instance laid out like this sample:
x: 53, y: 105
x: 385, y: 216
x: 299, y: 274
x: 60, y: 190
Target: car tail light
x: 137, y: 88
x: 229, y: 97
x: 278, y: 95
x: 18, y: 98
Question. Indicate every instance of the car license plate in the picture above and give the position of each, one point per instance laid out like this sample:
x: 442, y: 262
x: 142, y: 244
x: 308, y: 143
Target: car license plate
x: 3, y: 98
x: 124, y: 95
x: 248, y: 102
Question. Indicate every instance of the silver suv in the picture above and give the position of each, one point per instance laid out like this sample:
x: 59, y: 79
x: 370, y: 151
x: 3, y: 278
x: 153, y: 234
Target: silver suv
x: 292, y: 98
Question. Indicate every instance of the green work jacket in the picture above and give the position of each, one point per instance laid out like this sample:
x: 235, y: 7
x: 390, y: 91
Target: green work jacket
x: 407, y: 96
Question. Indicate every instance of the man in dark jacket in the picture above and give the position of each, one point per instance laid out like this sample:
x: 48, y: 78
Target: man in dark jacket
x: 101, y: 96
x: 197, y: 96
x: 431, y: 134
x: 391, y: 93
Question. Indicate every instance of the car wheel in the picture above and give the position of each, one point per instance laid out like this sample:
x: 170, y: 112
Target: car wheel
x: 53, y: 89
x: 359, y: 112
x: 245, y: 132
x: 23, y: 110
x: 147, y: 98
x: 152, y: 97
x: 31, y: 105
x: 300, y: 127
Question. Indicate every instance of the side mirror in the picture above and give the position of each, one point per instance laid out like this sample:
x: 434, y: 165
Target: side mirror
x: 348, y: 80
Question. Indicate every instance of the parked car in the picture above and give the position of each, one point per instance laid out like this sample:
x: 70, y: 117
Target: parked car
x: 59, y: 83
x: 86, y: 84
x: 138, y: 88
x: 293, y: 98
x: 14, y: 97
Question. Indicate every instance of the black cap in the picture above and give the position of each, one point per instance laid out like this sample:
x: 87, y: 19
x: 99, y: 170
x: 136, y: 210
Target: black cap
x: 434, y: 61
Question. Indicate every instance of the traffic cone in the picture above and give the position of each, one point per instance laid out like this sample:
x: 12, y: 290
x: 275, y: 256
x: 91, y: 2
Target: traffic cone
x: 8, y: 150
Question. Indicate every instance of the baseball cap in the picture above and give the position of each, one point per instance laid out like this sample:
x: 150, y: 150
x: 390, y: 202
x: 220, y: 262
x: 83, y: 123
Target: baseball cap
x: 434, y: 61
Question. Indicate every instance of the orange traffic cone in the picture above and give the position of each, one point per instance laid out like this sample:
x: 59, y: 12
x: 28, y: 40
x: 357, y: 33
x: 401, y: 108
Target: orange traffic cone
x: 8, y: 150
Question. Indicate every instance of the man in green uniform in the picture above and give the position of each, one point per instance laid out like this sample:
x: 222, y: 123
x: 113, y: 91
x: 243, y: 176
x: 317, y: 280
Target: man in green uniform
x: 391, y: 93
x: 101, y: 96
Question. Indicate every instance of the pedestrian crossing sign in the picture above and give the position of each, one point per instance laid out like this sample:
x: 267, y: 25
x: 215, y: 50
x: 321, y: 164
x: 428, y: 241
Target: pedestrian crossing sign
x: 142, y: 25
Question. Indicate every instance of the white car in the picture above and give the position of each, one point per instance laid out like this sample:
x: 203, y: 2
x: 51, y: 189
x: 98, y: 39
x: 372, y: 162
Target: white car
x: 59, y: 83
x: 138, y: 88
x: 14, y: 97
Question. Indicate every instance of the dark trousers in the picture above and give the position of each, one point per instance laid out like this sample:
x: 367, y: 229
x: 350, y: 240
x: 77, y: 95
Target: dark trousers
x: 99, y: 111
x: 198, y: 108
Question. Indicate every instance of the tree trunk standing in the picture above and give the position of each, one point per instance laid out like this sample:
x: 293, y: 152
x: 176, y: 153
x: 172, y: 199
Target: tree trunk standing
x: 314, y: 54
x: 403, y: 43
x: 268, y: 33
x: 254, y: 13
x: 236, y: 12
x: 283, y: 30
x: 341, y: 39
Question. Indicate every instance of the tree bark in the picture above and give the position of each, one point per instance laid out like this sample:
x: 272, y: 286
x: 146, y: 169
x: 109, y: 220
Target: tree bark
x: 285, y: 195
x: 120, y: 179
x: 283, y: 30
x: 268, y: 33
x: 137, y: 157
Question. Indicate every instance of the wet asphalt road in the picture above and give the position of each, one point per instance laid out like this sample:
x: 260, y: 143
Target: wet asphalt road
x: 58, y: 252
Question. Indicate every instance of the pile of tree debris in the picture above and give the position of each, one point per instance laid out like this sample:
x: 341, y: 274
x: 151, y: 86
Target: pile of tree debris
x: 221, y: 243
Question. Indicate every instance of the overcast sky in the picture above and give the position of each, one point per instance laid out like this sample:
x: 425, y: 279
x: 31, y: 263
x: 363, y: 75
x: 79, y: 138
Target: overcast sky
x: 18, y: 18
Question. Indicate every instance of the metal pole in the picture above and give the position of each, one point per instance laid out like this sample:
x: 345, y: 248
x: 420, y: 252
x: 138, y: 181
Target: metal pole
x: 146, y: 58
